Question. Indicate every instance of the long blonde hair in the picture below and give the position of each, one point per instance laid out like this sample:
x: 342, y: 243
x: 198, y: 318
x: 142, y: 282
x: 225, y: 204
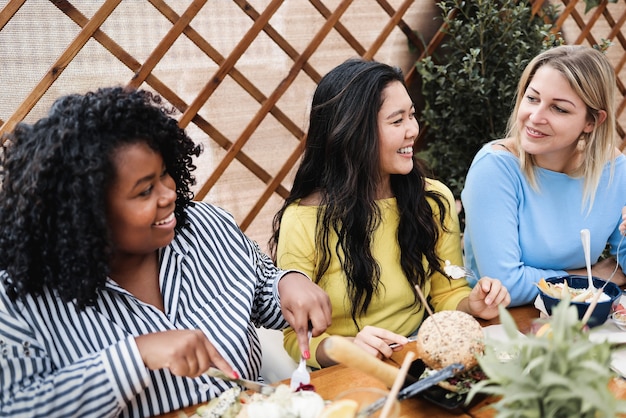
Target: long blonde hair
x: 592, y: 77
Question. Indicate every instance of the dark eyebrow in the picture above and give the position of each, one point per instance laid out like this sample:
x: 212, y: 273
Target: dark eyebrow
x: 398, y: 112
x: 145, y: 179
x: 556, y: 99
x: 148, y: 178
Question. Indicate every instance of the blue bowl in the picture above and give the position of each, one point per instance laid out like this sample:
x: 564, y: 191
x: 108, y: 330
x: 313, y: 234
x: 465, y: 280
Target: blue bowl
x: 602, y: 310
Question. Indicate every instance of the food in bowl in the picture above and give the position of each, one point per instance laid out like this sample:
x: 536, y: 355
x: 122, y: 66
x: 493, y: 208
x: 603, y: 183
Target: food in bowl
x: 578, y: 285
x: 619, y: 318
x: 560, y: 289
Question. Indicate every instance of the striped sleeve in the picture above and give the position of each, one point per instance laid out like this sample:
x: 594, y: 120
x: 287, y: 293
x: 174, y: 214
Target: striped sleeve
x: 267, y: 304
x: 245, y: 259
x: 33, y: 386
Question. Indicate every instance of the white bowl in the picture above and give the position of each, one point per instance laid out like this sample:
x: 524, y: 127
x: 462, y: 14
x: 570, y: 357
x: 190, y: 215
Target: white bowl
x: 619, y: 319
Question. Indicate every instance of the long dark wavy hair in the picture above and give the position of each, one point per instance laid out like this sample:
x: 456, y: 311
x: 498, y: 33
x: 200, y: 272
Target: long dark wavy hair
x: 55, y: 173
x: 341, y: 162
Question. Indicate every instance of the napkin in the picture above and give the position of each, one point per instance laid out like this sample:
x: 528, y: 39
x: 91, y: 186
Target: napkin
x: 496, y: 332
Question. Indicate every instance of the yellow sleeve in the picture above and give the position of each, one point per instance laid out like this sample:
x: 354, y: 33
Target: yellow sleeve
x: 296, y: 241
x: 446, y: 294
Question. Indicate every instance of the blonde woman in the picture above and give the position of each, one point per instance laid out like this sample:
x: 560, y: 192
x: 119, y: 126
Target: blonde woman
x: 528, y: 196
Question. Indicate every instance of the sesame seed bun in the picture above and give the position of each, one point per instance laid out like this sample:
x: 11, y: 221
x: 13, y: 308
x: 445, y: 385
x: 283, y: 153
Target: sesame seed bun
x: 449, y: 337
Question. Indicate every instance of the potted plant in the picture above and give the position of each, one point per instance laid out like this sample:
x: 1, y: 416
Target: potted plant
x: 557, y: 372
x: 468, y: 87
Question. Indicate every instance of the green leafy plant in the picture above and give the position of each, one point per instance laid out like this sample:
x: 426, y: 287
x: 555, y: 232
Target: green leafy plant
x: 557, y: 373
x: 468, y: 87
x: 590, y: 4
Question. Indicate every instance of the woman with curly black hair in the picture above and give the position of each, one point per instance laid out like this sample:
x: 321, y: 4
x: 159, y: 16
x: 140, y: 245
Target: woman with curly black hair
x: 363, y: 220
x: 117, y: 291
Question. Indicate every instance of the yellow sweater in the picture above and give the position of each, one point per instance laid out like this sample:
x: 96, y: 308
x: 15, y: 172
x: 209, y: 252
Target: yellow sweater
x: 393, y: 307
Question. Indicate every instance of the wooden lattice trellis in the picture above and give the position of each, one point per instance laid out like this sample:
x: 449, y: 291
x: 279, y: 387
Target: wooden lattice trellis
x: 241, y: 73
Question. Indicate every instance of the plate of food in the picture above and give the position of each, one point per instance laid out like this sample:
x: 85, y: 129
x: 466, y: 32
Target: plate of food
x: 282, y: 402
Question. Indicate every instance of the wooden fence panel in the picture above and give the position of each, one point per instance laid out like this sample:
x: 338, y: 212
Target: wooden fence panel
x: 241, y: 73
x: 605, y: 22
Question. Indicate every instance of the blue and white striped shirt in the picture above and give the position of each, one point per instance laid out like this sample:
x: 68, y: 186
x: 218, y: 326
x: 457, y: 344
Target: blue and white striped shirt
x: 58, y: 361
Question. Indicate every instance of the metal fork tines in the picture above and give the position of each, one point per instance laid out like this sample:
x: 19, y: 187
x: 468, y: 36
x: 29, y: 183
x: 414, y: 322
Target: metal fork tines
x: 458, y: 272
x: 411, y: 339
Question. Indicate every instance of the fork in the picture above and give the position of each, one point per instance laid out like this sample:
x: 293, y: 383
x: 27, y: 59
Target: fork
x: 301, y: 376
x: 594, y: 301
x: 616, y: 259
x: 458, y: 272
x: 411, y: 339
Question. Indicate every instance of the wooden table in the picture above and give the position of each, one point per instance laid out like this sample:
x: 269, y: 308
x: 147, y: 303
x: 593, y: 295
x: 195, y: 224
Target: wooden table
x: 331, y: 381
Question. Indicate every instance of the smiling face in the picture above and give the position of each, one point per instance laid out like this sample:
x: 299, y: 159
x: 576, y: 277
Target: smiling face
x: 551, y: 117
x: 397, y: 131
x: 140, y: 201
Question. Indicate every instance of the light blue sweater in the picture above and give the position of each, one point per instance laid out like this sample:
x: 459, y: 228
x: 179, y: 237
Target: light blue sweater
x: 519, y: 235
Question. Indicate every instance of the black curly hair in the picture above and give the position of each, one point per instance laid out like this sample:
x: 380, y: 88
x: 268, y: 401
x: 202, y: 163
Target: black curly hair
x: 55, y: 173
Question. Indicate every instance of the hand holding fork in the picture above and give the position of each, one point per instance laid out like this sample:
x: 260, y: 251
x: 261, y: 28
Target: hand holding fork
x: 301, y: 376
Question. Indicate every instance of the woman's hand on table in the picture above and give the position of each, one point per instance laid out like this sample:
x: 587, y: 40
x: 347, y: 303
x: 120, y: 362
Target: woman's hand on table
x: 485, y: 298
x: 379, y: 342
x: 185, y: 352
x: 304, y: 304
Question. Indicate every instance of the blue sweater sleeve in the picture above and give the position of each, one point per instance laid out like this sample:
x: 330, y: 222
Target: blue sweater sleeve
x: 491, y: 199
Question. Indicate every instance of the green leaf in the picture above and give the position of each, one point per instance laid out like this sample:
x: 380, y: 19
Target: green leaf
x: 561, y: 374
x: 469, y: 86
x: 590, y: 4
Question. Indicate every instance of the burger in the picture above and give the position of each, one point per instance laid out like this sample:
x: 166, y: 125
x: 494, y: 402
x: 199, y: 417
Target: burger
x: 449, y: 337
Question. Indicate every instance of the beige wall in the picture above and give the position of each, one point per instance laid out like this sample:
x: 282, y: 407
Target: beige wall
x: 34, y: 38
x: 39, y: 33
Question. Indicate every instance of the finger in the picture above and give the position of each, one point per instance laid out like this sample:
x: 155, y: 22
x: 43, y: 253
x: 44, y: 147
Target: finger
x: 303, y: 342
x: 507, y: 300
x: 488, y: 284
x: 319, y: 323
x: 496, y: 292
x: 204, y: 357
x: 320, y: 320
x: 323, y: 308
x: 383, y: 340
x: 482, y: 289
x: 500, y: 297
x: 216, y: 360
x: 368, y: 348
x: 192, y: 365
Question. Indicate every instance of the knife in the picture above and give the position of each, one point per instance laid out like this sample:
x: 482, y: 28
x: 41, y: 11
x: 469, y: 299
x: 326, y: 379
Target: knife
x: 431, y: 380
x: 248, y: 384
x: 414, y: 388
